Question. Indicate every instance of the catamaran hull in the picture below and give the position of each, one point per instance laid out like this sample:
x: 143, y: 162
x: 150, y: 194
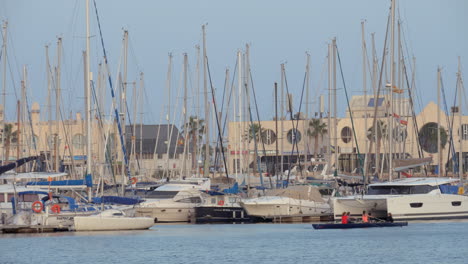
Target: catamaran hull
x: 408, y: 207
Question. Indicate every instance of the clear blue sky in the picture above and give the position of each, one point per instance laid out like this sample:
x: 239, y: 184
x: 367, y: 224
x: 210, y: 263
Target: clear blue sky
x: 278, y: 31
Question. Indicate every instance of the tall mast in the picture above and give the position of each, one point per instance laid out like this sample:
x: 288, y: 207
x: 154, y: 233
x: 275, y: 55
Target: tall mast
x: 88, y: 102
x: 49, y: 108
x: 330, y: 69
x: 460, y: 151
x: 392, y: 83
x: 57, y: 103
x: 207, y: 108
x: 123, y: 104
x: 374, y: 88
x: 335, y: 112
x: 168, y: 117
x: 439, y: 150
x: 197, y: 121
x: 282, y: 120
x: 140, y: 97
x: 5, y: 25
x: 241, y: 149
x: 276, y: 131
x: 364, y: 87
x: 184, y: 160
x: 307, y: 116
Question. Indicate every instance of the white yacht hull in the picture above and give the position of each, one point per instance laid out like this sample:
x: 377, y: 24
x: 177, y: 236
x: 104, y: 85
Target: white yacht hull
x: 270, y: 207
x: 167, y: 214
x: 405, y: 207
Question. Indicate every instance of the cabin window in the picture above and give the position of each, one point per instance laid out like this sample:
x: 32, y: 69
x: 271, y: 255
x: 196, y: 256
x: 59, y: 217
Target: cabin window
x: 456, y: 203
x: 416, y: 205
x: 213, y: 200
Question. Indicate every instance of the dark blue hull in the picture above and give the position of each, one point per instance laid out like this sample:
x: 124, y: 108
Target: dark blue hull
x: 358, y: 225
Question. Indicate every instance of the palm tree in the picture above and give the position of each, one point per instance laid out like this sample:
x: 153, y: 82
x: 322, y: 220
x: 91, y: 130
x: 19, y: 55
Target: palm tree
x: 381, y: 133
x: 192, y: 127
x: 8, y: 134
x: 253, y: 129
x: 316, y: 129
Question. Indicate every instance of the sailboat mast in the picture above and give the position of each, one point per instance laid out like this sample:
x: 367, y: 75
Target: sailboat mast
x: 335, y: 112
x: 276, y: 131
x: 207, y: 108
x: 307, y: 116
x: 5, y: 25
x: 460, y: 151
x: 49, y: 109
x: 57, y: 103
x: 239, y: 123
x: 329, y: 103
x: 186, y: 127
x: 88, y: 103
x: 197, y: 120
x: 282, y: 120
x: 392, y: 83
x: 364, y: 87
x: 439, y: 151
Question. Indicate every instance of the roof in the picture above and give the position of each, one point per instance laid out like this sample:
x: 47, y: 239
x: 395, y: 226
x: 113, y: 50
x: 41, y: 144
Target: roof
x: 417, y: 181
x: 151, y: 133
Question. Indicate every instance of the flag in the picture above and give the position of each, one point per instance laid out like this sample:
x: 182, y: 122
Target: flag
x: 396, y: 90
x: 407, y: 175
x: 404, y: 122
x: 399, y: 120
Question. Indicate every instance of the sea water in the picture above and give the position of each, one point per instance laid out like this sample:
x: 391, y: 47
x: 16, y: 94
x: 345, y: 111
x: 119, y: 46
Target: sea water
x: 424, y: 242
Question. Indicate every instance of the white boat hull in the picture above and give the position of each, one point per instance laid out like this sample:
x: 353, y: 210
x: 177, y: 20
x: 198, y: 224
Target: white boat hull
x: 99, y: 223
x: 271, y: 207
x: 167, y: 214
x: 406, y: 207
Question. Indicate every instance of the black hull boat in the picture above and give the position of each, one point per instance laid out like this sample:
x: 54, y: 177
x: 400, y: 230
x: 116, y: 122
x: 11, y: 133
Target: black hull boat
x: 358, y: 225
x: 221, y: 214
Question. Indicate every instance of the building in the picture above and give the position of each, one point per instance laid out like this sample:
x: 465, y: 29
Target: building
x: 411, y: 137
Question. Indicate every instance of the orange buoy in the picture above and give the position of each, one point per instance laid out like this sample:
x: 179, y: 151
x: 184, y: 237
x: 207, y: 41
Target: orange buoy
x: 37, y: 206
x: 56, y: 208
x: 134, y: 180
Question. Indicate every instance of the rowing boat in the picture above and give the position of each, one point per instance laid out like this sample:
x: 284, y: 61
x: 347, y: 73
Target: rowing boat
x: 358, y: 225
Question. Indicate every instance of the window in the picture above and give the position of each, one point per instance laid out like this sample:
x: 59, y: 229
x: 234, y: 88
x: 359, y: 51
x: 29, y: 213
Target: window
x: 294, y: 136
x: 346, y: 134
x: 160, y: 156
x: 372, y: 102
x: 416, y: 205
x: 456, y: 203
x: 269, y: 136
x: 464, y: 130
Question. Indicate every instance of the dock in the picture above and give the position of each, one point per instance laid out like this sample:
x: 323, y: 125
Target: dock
x: 16, y: 229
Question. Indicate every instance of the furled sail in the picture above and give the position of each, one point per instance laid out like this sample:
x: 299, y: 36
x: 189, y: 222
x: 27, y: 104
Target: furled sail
x: 406, y: 164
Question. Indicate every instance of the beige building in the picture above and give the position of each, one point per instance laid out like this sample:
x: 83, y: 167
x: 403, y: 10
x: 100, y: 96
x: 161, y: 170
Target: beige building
x: 411, y: 138
x: 67, y: 141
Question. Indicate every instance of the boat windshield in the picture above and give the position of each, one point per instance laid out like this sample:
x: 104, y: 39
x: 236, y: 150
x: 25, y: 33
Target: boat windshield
x: 416, y: 189
x: 161, y: 194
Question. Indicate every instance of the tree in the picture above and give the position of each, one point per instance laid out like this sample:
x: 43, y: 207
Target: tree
x: 382, y: 132
x: 8, y: 135
x: 191, y: 128
x: 253, y: 129
x: 316, y: 129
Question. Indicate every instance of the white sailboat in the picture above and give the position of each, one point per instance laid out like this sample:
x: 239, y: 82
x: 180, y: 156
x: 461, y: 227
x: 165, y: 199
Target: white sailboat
x: 111, y: 219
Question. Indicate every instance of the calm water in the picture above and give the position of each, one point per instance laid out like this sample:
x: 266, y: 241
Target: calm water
x: 440, y: 242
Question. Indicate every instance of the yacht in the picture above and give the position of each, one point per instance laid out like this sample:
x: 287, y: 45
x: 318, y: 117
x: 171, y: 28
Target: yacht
x: 408, y: 199
x: 111, y: 219
x: 294, y: 201
x: 220, y: 207
x: 174, y: 201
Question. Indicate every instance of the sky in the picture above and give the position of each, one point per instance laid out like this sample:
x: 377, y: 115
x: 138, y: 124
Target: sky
x: 277, y: 31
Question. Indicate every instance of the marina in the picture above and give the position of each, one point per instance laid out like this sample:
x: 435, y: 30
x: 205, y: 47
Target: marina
x: 193, y: 132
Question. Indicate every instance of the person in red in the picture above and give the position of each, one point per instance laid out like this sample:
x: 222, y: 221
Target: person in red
x: 365, y: 217
x: 344, y: 218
